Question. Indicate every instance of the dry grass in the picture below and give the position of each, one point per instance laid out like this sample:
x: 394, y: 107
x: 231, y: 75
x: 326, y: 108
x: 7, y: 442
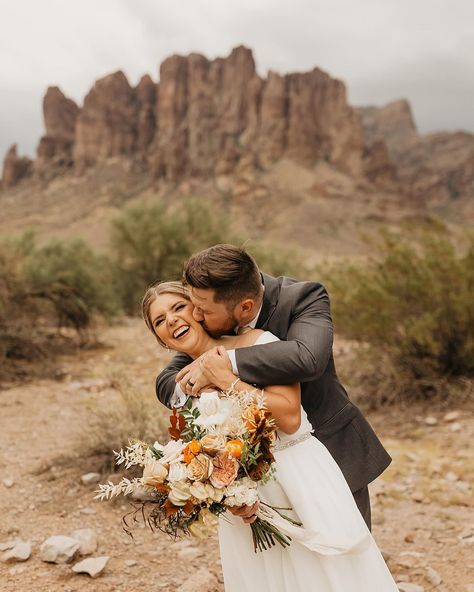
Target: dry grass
x: 129, y: 412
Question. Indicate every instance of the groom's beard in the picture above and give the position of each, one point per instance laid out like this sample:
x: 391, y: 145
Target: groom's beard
x: 228, y: 329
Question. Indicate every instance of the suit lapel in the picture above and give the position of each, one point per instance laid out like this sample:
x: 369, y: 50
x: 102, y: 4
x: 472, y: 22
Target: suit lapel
x: 270, y: 300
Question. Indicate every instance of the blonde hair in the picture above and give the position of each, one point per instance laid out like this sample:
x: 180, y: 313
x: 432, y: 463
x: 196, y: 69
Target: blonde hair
x: 152, y: 294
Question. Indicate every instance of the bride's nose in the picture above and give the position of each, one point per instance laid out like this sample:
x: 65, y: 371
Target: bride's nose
x: 171, y: 319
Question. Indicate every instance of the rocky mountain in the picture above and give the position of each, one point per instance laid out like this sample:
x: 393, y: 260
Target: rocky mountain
x: 436, y: 167
x: 286, y: 155
x: 205, y: 118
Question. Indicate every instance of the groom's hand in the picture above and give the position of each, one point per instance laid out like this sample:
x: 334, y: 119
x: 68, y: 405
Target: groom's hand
x: 216, y: 366
x: 191, y: 379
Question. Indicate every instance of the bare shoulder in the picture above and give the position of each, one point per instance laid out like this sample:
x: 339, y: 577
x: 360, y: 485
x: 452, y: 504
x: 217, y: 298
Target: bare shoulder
x: 248, y: 338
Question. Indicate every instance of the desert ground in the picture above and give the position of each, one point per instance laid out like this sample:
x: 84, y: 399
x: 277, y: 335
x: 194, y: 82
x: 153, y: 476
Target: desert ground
x: 422, y: 505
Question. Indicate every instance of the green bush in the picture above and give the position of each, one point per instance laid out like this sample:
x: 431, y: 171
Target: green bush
x: 414, y: 302
x: 76, y: 281
x: 153, y: 242
x: 42, y: 288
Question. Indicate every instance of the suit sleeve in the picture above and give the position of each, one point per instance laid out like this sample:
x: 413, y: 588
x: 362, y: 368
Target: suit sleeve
x: 165, y: 381
x: 307, y: 350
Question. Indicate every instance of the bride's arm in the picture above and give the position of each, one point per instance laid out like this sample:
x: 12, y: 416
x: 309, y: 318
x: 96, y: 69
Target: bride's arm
x: 283, y: 401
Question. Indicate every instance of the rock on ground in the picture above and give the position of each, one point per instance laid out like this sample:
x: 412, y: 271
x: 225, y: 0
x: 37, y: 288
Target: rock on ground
x: 201, y: 581
x: 59, y: 549
x: 87, y: 540
x: 409, y: 587
x: 90, y: 478
x: 21, y: 551
x: 92, y: 566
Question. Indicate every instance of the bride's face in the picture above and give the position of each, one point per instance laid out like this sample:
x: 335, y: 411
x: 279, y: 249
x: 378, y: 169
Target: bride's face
x: 172, y: 319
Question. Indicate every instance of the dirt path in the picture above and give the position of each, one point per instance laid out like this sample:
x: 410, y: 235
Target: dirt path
x: 423, y: 505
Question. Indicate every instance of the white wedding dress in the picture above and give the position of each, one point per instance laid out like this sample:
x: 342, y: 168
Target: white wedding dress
x: 332, y: 552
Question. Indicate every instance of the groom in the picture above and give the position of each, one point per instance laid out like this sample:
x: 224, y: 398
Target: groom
x: 230, y: 294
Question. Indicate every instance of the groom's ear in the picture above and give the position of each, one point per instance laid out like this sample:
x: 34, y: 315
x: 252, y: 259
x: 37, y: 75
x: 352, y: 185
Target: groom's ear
x: 247, y: 306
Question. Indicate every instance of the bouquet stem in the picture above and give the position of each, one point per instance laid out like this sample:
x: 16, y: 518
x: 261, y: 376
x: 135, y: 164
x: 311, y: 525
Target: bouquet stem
x: 265, y: 535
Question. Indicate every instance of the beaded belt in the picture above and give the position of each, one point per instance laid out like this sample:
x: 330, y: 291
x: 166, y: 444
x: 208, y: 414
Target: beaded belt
x: 289, y: 443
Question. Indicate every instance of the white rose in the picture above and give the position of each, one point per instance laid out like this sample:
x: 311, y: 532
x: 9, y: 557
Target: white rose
x: 180, y: 493
x: 177, y: 471
x: 172, y: 451
x: 213, y: 411
x: 213, y: 494
x: 241, y: 493
x: 199, y: 491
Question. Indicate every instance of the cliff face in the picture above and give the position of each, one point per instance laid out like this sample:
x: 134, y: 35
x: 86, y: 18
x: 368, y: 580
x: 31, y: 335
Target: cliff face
x: 438, y: 166
x: 14, y: 168
x: 54, y: 152
x: 204, y: 118
x: 207, y: 119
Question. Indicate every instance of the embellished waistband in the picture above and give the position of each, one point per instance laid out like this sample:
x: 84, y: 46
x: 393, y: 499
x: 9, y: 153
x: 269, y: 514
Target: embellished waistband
x: 289, y: 443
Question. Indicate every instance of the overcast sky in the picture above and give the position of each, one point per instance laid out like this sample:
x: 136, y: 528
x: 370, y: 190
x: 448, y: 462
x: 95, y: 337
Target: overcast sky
x: 383, y: 49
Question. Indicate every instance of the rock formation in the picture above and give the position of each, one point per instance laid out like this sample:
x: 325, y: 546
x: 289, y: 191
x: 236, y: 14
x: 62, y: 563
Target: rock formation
x: 218, y: 119
x: 437, y: 166
x: 15, y: 168
x: 107, y: 123
x: 54, y: 151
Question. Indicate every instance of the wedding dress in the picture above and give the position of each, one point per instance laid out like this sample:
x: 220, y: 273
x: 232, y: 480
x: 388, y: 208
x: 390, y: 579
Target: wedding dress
x: 333, y: 551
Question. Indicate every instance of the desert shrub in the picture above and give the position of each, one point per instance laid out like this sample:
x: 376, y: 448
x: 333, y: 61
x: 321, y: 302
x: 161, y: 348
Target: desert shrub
x: 134, y: 414
x: 45, y: 288
x: 18, y: 309
x: 153, y: 242
x: 414, y: 303
x: 77, y: 282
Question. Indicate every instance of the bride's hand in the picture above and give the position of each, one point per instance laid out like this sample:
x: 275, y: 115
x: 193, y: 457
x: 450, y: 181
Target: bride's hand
x: 247, y: 513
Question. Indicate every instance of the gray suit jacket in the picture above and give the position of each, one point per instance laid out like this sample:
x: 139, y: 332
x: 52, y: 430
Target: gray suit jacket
x: 299, y: 314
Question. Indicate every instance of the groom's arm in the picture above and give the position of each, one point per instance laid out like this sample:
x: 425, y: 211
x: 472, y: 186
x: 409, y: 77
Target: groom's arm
x: 307, y: 350
x: 165, y: 381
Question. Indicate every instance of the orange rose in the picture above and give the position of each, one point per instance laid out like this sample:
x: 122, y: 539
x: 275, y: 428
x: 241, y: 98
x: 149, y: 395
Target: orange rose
x: 191, y: 451
x: 234, y: 448
x: 225, y: 470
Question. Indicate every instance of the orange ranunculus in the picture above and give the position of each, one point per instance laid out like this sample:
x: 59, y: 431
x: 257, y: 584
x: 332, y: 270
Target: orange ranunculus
x: 191, y: 451
x: 234, y: 448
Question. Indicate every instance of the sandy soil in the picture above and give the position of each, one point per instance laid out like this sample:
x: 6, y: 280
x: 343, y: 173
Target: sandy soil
x: 422, y: 505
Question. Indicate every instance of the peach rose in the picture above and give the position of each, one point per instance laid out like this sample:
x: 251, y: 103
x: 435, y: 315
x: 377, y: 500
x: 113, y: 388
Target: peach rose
x: 199, y: 468
x: 225, y: 470
x: 213, y: 443
x: 154, y: 473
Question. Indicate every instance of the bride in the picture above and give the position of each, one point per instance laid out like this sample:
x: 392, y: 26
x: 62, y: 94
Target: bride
x: 333, y: 551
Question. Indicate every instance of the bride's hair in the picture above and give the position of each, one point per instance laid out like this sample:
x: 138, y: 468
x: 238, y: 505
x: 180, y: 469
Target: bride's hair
x: 152, y: 294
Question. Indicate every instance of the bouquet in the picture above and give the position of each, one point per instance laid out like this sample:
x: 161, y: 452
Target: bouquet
x: 220, y: 451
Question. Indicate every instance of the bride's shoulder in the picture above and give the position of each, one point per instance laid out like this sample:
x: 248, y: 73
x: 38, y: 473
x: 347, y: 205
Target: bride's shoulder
x: 256, y: 337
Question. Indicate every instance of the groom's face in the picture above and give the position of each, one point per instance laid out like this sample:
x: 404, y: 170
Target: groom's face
x: 216, y: 317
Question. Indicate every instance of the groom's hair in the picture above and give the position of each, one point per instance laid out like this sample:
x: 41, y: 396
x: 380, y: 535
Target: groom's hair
x: 228, y: 270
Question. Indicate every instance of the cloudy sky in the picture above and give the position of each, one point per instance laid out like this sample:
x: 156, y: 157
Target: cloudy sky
x: 383, y: 49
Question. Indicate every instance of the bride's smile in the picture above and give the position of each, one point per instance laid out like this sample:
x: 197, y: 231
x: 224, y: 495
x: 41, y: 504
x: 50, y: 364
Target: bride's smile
x: 172, y: 319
